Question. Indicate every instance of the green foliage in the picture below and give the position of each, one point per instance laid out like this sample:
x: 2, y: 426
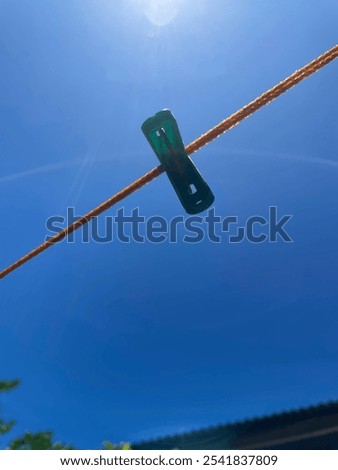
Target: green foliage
x: 122, y: 446
x: 5, y: 427
x: 41, y: 440
x: 29, y: 441
x: 6, y: 386
x: 37, y: 441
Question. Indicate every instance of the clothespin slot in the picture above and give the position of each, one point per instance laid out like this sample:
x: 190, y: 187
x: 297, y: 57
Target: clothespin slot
x: 162, y: 133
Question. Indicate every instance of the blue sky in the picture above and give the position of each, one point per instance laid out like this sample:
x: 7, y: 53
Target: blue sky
x: 132, y: 341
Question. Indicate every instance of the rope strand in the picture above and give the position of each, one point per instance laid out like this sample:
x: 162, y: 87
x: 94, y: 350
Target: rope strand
x: 204, y: 139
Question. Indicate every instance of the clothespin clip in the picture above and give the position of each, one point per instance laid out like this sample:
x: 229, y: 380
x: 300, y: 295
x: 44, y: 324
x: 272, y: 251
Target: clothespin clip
x: 161, y: 131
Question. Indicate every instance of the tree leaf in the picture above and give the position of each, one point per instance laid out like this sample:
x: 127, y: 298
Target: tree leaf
x: 37, y: 441
x: 122, y: 446
x: 7, y: 385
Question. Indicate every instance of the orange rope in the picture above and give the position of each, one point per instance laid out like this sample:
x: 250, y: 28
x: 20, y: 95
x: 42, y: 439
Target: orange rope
x: 204, y: 139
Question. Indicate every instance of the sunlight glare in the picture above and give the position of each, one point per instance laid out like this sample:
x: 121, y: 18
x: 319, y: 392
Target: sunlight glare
x: 160, y: 12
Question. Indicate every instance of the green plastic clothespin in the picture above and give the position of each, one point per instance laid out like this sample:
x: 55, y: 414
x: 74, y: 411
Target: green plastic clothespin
x: 162, y: 132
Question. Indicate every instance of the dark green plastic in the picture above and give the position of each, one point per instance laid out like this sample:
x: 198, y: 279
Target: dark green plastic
x: 161, y: 131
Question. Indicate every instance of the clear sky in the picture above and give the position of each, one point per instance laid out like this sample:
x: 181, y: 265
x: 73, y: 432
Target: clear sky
x: 131, y: 341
